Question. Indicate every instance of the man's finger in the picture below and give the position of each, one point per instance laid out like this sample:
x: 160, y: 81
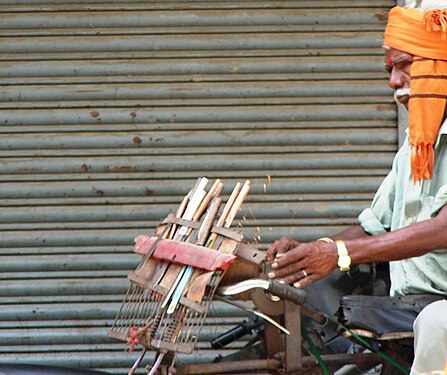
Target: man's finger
x: 275, y: 246
x: 291, y: 270
x: 283, y: 245
x: 303, y: 274
x: 285, y: 259
x: 305, y: 281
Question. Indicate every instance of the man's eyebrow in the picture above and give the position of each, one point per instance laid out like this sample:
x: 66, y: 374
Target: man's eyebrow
x: 399, y: 59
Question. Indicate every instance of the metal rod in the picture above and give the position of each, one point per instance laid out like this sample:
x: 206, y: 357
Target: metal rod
x: 272, y: 364
x: 137, y: 363
x: 156, y: 363
x: 256, y: 312
x: 230, y: 367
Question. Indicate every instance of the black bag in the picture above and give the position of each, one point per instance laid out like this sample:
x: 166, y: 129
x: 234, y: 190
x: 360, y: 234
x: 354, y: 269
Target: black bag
x: 382, y: 314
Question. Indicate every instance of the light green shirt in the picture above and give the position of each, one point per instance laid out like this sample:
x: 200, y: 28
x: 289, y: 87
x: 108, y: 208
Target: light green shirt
x: 399, y: 203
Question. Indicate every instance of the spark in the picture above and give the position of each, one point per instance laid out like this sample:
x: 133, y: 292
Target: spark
x: 252, y: 214
x: 269, y: 181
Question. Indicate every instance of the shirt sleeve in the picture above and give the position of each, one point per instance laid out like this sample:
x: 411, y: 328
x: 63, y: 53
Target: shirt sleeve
x: 440, y: 200
x: 377, y: 218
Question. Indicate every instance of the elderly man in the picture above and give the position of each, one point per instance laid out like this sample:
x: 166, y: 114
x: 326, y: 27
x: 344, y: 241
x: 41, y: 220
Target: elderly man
x: 406, y: 224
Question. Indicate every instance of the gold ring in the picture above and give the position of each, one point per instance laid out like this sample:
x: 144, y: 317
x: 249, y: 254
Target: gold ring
x: 304, y: 273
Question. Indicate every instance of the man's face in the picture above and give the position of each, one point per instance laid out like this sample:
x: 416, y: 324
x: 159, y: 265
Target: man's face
x: 398, y: 64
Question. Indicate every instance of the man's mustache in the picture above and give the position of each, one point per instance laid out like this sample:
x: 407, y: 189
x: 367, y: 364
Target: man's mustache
x: 401, y: 92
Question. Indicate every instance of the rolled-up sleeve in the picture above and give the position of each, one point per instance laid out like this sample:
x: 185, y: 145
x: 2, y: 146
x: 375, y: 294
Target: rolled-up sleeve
x: 440, y: 200
x: 370, y: 223
x: 377, y: 218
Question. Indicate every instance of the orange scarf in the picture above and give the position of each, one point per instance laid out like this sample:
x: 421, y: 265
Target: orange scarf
x: 423, y: 35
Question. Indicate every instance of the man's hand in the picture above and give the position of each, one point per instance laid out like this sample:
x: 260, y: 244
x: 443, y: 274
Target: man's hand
x: 280, y: 247
x: 301, y: 264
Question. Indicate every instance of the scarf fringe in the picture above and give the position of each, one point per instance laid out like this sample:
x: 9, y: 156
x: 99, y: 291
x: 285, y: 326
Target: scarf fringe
x: 422, y: 161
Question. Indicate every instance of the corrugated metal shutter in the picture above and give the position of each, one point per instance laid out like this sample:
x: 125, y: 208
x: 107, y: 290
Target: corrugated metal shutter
x: 111, y: 110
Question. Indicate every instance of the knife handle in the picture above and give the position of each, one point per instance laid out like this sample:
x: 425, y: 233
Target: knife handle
x: 287, y: 292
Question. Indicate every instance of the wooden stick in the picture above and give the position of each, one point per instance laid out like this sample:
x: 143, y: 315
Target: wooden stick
x: 207, y: 199
x: 193, y: 205
x: 207, y: 223
x: 163, y: 270
x: 237, y: 204
x: 181, y: 209
x: 183, y: 273
x: 215, y: 191
x: 178, y: 214
x: 188, y: 271
x: 233, y: 212
x: 229, y: 204
x: 223, y: 216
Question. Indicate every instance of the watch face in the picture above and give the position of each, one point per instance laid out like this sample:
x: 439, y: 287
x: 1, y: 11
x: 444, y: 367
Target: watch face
x: 344, y: 261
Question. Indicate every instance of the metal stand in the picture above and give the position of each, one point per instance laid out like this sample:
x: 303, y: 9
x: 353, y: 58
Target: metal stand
x: 283, y: 352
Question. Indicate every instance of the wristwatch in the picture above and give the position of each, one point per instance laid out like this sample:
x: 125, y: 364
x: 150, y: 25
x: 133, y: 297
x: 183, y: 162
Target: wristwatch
x: 344, y: 260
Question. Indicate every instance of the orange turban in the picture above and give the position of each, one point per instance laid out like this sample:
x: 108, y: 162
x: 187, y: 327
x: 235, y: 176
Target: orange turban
x: 423, y: 35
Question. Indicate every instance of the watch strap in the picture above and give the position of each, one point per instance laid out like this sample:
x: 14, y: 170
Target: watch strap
x: 344, y: 260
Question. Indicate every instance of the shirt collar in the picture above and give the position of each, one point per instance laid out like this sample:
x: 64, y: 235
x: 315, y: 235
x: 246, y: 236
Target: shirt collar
x: 443, y: 128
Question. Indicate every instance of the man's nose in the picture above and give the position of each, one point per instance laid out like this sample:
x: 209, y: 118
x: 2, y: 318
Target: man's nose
x: 396, y: 80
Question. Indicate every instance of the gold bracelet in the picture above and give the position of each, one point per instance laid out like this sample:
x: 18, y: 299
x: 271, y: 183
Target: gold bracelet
x: 326, y: 239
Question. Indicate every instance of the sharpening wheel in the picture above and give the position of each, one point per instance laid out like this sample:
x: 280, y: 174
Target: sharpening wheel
x: 263, y: 300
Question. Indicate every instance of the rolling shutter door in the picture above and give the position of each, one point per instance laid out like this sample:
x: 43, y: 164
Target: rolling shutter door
x: 111, y: 110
